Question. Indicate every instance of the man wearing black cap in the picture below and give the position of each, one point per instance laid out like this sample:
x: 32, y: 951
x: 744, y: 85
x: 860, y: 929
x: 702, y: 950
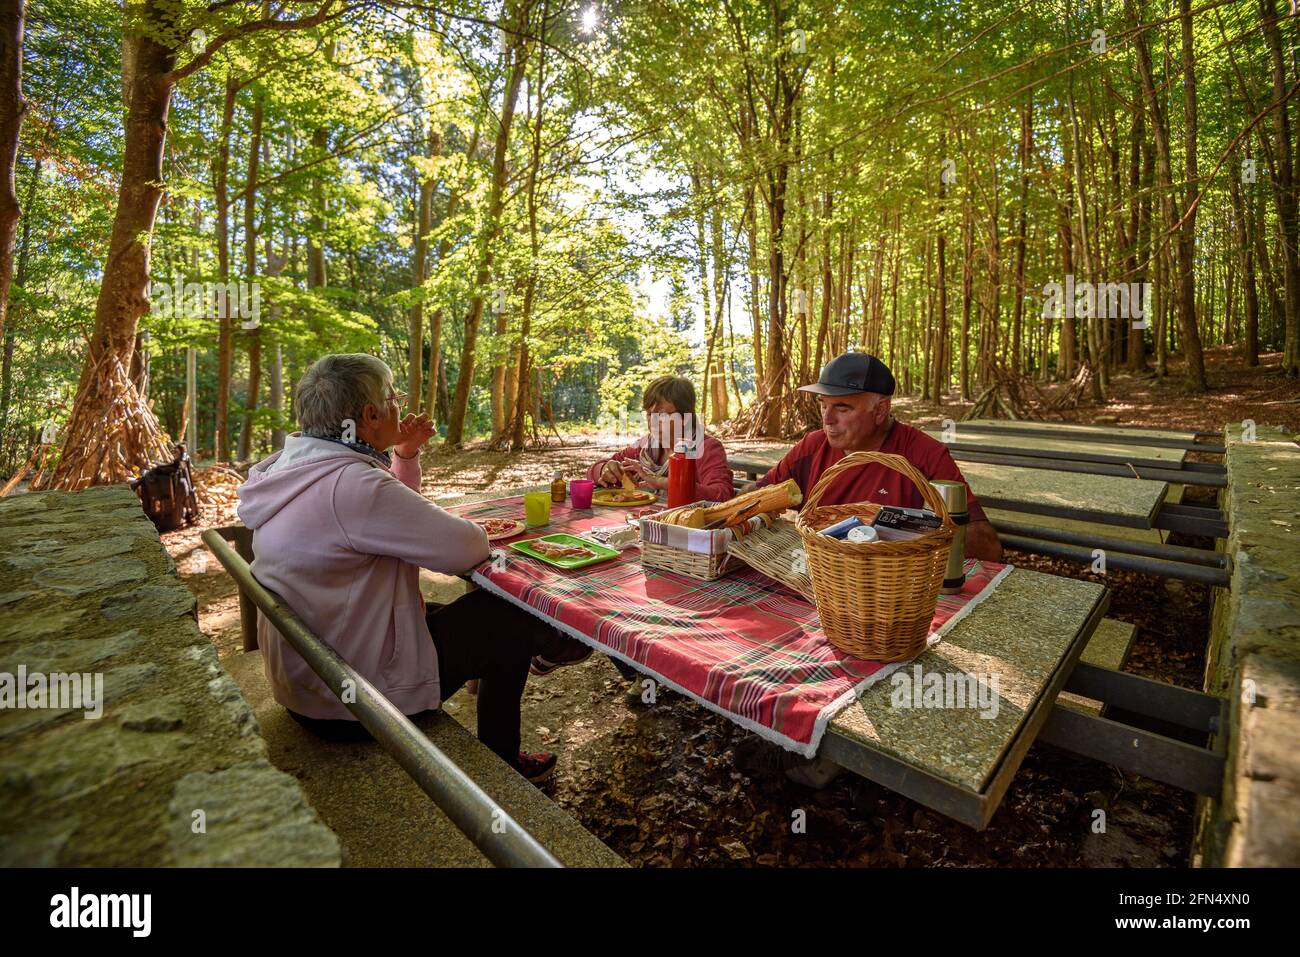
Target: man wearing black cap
x: 853, y: 392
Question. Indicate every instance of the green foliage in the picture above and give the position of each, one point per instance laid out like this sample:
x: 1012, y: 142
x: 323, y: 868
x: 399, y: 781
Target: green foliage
x: 672, y: 120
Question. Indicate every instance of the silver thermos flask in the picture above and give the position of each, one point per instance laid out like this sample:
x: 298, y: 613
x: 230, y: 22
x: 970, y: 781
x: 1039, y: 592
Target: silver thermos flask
x: 954, y: 496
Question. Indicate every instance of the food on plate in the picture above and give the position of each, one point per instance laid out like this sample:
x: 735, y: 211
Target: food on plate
x: 556, y: 550
x: 620, y: 496
x: 643, y: 512
x: 498, y: 527
x: 627, y: 483
x: 771, y: 498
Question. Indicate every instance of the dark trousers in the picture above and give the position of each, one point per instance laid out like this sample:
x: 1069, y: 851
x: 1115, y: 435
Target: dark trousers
x: 477, y: 636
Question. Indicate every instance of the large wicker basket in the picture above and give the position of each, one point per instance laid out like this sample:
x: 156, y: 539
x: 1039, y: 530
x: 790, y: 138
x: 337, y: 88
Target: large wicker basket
x: 876, y: 599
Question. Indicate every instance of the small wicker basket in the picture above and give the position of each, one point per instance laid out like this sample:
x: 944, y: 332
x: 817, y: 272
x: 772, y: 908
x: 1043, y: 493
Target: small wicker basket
x: 876, y: 599
x: 691, y: 564
x: 674, y: 554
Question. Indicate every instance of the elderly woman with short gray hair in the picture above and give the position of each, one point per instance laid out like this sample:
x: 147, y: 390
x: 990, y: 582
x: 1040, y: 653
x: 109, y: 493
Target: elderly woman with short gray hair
x: 340, y: 531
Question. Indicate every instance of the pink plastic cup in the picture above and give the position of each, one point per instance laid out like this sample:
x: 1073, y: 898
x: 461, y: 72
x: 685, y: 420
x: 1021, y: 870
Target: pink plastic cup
x: 581, y: 490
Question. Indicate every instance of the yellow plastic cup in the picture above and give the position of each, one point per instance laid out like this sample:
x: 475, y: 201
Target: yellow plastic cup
x: 537, y: 508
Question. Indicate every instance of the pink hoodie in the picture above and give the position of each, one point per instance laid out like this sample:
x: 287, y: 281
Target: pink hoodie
x: 341, y: 539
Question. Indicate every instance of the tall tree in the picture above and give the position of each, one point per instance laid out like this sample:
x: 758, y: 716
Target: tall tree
x: 149, y: 76
x: 516, y: 62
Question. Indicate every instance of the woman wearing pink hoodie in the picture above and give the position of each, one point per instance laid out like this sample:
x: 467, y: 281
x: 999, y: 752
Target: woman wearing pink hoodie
x: 340, y: 531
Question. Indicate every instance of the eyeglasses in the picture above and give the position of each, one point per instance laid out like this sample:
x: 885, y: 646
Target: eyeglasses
x: 398, y: 397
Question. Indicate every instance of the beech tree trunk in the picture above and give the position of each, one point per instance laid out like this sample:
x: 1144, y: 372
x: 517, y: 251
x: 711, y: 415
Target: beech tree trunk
x: 419, y: 273
x: 1017, y: 320
x: 220, y: 181
x: 250, y: 274
x: 1284, y: 183
x: 516, y: 60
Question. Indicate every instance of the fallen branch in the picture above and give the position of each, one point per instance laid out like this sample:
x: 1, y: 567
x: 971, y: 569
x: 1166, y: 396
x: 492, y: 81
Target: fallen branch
x: 18, y: 476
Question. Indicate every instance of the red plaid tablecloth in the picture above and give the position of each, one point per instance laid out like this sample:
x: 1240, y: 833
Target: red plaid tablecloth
x: 744, y: 645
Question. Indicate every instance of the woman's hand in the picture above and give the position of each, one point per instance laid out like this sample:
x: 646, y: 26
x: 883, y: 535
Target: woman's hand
x: 645, y: 480
x: 416, y: 430
x: 611, y: 474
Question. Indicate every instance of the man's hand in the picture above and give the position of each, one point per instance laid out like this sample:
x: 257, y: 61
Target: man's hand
x: 982, y: 542
x: 416, y: 430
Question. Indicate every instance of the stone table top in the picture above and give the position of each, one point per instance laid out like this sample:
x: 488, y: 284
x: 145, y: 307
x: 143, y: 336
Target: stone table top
x: 1080, y: 431
x: 1152, y: 456
x: 88, y: 589
x: 1106, y: 499
x: 1019, y: 636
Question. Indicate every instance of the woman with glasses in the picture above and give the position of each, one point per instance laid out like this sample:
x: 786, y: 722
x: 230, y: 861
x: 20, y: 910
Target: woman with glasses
x: 341, y: 532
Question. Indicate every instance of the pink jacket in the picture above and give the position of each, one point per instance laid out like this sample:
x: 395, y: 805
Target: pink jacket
x: 341, y: 539
x: 713, y: 481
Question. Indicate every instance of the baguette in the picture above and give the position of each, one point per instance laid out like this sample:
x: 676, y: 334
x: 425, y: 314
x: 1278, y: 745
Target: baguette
x: 772, y: 498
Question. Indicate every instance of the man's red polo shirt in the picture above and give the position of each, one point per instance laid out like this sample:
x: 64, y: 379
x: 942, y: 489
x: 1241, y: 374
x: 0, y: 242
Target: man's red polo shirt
x: 813, y: 455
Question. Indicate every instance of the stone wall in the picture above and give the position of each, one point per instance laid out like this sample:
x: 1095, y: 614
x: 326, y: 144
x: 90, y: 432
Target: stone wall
x: 1254, y: 659
x: 174, y: 771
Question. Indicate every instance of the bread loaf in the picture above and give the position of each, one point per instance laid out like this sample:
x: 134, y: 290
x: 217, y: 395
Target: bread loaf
x: 772, y: 498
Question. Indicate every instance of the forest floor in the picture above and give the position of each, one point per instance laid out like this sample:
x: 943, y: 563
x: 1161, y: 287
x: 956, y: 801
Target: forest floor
x: 660, y: 784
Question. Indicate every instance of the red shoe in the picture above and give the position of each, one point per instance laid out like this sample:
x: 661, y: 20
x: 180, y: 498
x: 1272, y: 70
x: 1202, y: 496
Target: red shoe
x: 537, y: 766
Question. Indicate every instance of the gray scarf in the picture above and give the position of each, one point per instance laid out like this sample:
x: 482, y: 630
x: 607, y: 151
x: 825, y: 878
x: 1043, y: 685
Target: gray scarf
x: 365, y: 448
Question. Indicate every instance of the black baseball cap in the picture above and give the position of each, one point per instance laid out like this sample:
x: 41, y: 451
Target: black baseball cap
x: 852, y: 373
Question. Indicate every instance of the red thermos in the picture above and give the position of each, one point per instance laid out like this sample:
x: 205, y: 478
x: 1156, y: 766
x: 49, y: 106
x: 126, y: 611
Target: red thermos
x: 681, y: 478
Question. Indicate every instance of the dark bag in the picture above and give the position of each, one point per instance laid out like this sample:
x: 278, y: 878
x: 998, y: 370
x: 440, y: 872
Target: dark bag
x: 167, y: 493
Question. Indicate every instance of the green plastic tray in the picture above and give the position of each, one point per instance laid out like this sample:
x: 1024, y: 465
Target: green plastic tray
x: 603, y: 554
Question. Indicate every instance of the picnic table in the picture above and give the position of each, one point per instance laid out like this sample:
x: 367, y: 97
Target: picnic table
x: 1073, y: 449
x: 1030, y: 631
x: 1103, y: 433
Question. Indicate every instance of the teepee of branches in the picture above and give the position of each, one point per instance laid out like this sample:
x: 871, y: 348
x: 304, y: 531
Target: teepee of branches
x: 113, y: 435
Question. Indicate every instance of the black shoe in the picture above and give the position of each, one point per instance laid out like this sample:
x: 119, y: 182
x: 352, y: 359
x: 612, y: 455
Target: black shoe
x: 572, y: 654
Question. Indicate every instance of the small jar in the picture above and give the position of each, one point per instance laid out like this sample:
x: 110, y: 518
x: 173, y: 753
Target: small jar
x: 559, y: 488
